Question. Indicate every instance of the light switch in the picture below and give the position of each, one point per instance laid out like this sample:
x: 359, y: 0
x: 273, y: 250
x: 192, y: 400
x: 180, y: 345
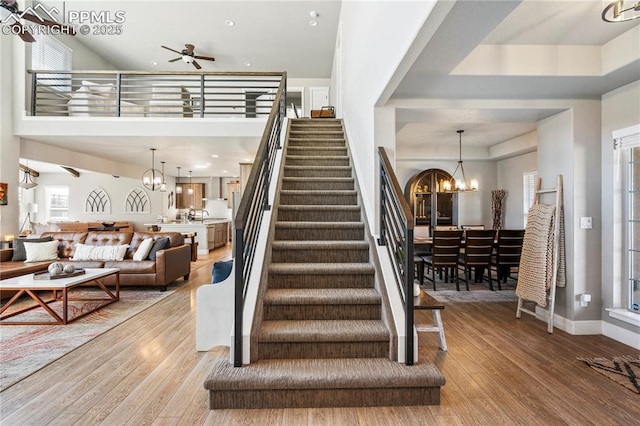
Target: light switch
x: 586, y: 222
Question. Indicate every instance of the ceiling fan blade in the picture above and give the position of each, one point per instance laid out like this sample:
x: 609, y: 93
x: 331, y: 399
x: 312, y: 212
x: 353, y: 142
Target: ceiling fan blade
x: 197, y: 65
x: 190, y: 48
x: 176, y: 59
x: 47, y: 23
x: 205, y: 58
x: 168, y: 48
x: 22, y: 33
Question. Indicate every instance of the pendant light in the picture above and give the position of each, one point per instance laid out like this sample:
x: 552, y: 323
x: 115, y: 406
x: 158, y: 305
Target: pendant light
x: 163, y: 185
x: 618, y: 11
x: 152, y: 178
x: 27, y: 182
x: 458, y: 182
x: 190, y: 190
x: 178, y: 187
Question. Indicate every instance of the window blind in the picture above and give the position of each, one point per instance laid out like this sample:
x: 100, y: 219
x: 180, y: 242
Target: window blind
x: 48, y: 53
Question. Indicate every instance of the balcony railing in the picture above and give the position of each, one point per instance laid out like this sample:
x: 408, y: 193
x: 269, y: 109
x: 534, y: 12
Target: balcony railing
x: 152, y: 94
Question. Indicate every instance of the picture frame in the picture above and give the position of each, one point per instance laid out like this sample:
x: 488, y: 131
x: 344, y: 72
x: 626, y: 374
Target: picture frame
x: 4, y: 190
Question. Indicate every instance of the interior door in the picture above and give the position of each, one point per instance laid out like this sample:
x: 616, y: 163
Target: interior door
x: 319, y: 97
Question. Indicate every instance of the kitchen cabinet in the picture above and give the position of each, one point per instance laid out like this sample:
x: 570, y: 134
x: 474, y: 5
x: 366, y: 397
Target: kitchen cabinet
x: 185, y: 200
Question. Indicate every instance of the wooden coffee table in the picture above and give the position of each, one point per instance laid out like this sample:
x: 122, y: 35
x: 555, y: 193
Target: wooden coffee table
x: 26, y: 284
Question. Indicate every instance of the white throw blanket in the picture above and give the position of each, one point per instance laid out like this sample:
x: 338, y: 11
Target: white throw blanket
x: 536, y: 263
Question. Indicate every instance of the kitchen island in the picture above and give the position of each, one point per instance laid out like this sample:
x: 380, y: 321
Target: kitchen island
x: 210, y: 234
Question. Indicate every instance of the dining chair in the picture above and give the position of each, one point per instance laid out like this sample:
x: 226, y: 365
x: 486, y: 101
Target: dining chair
x: 444, y: 254
x: 420, y: 233
x: 478, y: 252
x: 508, y: 251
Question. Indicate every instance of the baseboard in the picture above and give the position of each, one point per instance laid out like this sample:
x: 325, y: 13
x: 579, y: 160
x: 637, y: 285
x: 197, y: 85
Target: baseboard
x: 604, y: 328
x: 621, y: 335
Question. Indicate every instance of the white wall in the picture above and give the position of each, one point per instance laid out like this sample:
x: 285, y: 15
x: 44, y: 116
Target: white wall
x: 509, y: 178
x: 370, y: 56
x: 620, y: 109
x: 116, y: 188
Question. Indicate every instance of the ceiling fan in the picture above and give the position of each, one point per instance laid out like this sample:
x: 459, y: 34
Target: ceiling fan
x: 188, y: 56
x: 10, y: 11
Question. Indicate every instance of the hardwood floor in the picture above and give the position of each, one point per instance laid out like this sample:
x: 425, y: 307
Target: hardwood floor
x: 498, y: 370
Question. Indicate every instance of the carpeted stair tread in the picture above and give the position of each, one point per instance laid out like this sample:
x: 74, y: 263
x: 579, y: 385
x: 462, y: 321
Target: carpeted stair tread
x: 321, y: 268
x: 320, y: 245
x: 322, y: 225
x: 323, y: 331
x: 333, y: 296
x: 330, y: 373
x: 319, y: 192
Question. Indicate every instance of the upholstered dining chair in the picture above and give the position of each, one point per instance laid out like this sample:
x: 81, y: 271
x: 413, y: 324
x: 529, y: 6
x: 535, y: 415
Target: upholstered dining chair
x: 478, y: 251
x: 444, y: 254
x: 508, y: 252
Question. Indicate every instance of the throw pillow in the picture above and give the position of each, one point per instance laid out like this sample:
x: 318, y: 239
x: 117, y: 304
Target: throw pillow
x: 221, y: 271
x: 89, y: 252
x: 19, y: 254
x: 143, y: 249
x: 159, y: 244
x: 40, y: 252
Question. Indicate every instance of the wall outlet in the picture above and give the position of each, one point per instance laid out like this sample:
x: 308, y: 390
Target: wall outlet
x: 586, y: 222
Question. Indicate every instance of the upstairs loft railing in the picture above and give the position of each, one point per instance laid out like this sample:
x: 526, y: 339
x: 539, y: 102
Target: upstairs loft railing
x: 153, y: 94
x: 396, y: 233
x: 255, y: 200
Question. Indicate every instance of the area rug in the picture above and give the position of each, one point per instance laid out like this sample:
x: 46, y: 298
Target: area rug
x: 624, y: 370
x: 447, y: 293
x: 25, y: 349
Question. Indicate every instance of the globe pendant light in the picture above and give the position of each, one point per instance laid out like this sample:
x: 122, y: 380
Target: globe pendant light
x: 152, y: 178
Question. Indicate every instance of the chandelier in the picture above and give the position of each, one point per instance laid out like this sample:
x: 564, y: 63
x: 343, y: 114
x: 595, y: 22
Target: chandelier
x: 617, y: 11
x: 152, y: 178
x: 458, y: 182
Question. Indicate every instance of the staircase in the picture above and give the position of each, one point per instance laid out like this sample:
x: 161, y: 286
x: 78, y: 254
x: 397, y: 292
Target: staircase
x: 322, y: 341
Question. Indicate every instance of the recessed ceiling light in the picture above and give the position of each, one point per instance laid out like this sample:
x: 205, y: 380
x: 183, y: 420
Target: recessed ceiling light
x: 215, y: 155
x: 224, y: 171
x: 247, y: 159
x: 229, y: 22
x: 200, y: 166
x: 247, y: 64
x: 313, y: 23
x: 313, y: 14
x: 154, y: 63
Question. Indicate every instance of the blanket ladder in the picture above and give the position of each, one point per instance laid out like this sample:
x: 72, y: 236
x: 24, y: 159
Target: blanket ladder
x: 556, y: 250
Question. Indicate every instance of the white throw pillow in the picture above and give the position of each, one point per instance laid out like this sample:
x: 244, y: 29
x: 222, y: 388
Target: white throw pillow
x: 40, y: 252
x: 89, y: 252
x: 143, y: 249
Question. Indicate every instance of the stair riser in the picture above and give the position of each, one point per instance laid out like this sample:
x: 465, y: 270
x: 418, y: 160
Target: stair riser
x: 317, y: 143
x: 322, y: 312
x: 321, y: 281
x: 306, y: 172
x: 318, y: 398
x: 320, y: 256
x: 335, y: 152
x: 317, y: 185
x: 318, y: 216
x: 312, y: 126
x: 321, y: 199
x: 309, y: 350
x: 319, y: 234
x: 316, y: 161
x: 316, y: 134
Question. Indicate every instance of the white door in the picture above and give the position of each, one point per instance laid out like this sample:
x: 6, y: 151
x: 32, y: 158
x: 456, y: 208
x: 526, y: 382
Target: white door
x: 319, y: 97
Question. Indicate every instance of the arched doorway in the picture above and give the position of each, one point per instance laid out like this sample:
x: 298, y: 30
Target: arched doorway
x: 430, y: 205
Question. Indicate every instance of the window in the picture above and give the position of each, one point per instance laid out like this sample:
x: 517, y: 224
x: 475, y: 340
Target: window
x: 57, y: 200
x: 528, y: 191
x: 633, y: 228
x: 48, y: 53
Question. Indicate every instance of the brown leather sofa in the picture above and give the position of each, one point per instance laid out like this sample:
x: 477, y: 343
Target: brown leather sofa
x: 170, y: 264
